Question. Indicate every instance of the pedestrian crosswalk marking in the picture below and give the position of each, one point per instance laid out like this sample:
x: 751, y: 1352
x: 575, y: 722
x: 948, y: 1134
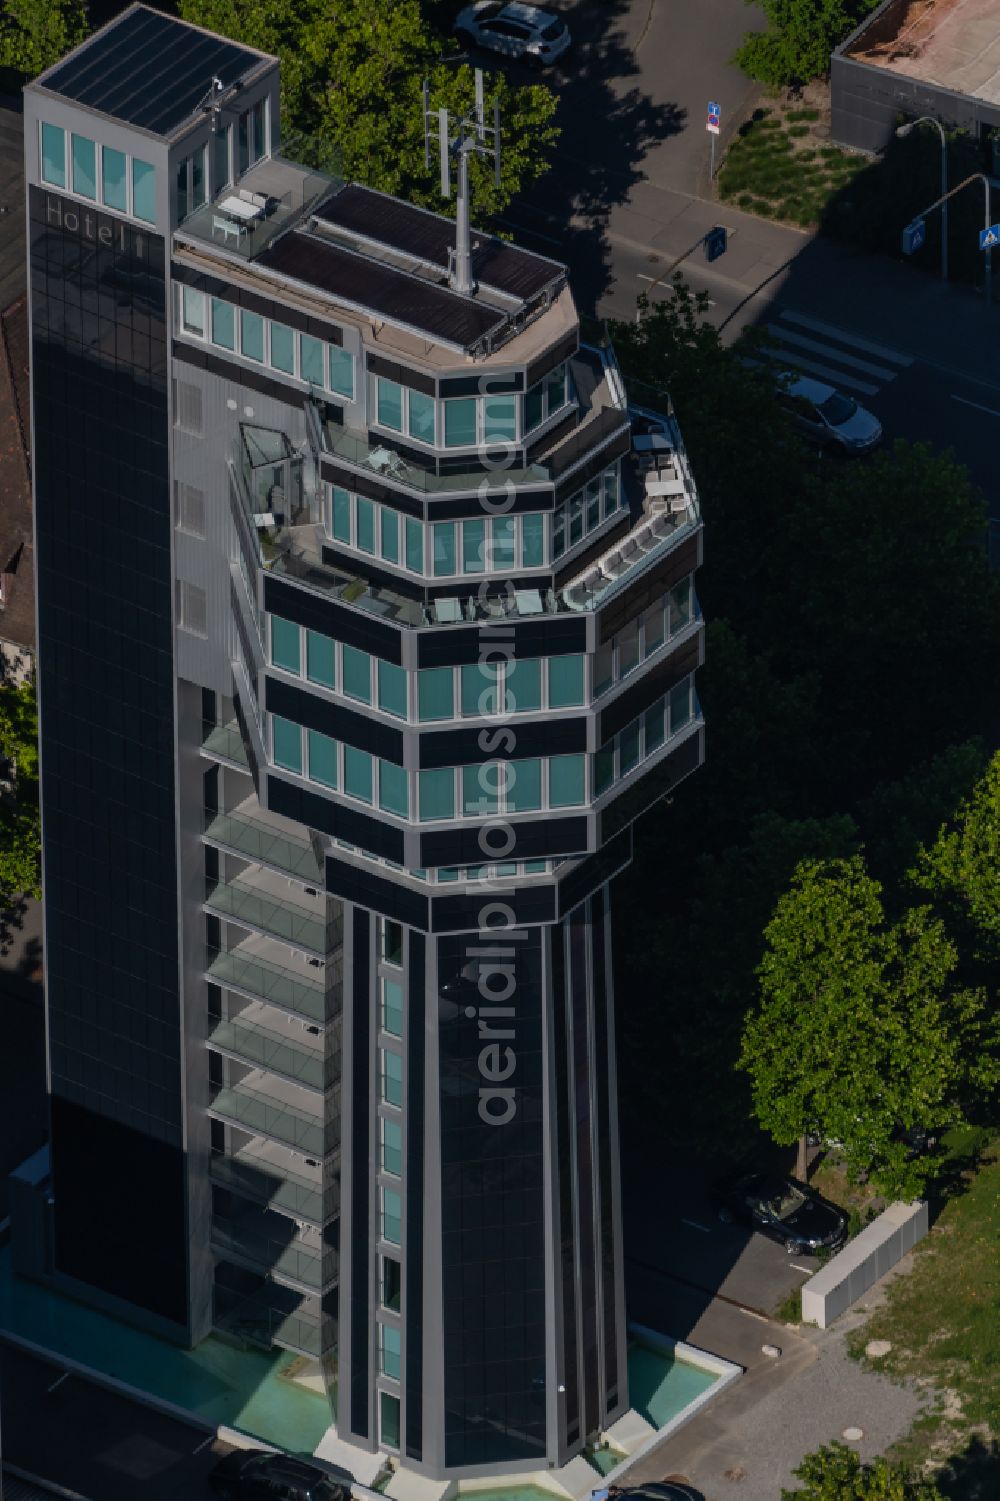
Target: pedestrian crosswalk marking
x: 822, y: 372
x: 801, y: 342
x: 818, y: 326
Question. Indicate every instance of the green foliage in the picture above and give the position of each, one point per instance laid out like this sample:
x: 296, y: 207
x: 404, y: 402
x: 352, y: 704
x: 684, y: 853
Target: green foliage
x: 351, y: 82
x: 20, y: 834
x: 861, y: 1029
x: 34, y: 34
x: 960, y: 870
x: 908, y: 812
x: 835, y: 1473
x: 799, y: 38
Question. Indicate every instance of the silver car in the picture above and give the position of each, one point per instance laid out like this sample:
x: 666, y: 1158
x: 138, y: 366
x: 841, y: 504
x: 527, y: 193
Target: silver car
x: 514, y: 30
x: 828, y: 416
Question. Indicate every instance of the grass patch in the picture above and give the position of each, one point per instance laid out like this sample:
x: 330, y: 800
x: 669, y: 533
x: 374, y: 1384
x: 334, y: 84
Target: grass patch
x: 798, y: 130
x: 789, y: 1310
x: 776, y: 165
x: 794, y: 115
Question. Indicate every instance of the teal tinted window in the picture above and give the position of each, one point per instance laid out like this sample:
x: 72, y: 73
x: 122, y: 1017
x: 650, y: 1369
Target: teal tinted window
x: 611, y: 489
x: 285, y: 644
x: 341, y: 518
x: 391, y: 1212
x: 501, y: 418
x: 479, y: 689
x: 357, y: 773
x: 524, y: 686
x: 389, y: 1344
x: 84, y: 154
x: 567, y: 781
x: 473, y: 546
x: 53, y: 155
x: 502, y: 558
x: 366, y: 524
x: 223, y: 324
x: 533, y: 541
x: 392, y: 1078
x: 555, y: 389
x: 322, y: 758
x: 444, y: 548
x: 680, y: 605
x: 341, y: 371
x: 565, y: 682
x: 389, y: 536
x: 392, y: 1146
x: 524, y: 786
x: 653, y: 723
x: 286, y: 743
x: 282, y: 348
x: 320, y: 659
x: 604, y: 768
x: 435, y: 693
x: 392, y: 1007
x: 414, y: 545
x: 390, y: 404
x: 393, y: 794
x: 534, y: 407
x: 392, y: 688
x: 421, y: 416
x: 628, y: 747
x: 460, y: 422
x: 357, y: 674
x: 480, y: 789
x: 311, y: 359
x: 437, y: 794
x: 143, y: 191
x: 252, y: 335
x: 114, y: 183
x: 534, y: 867
x: 388, y: 1420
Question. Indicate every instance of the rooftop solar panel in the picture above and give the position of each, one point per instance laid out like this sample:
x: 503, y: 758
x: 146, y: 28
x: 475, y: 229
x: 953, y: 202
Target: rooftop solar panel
x: 149, y: 70
x: 377, y: 288
x: 429, y: 237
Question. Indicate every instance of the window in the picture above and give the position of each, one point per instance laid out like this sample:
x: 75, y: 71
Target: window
x: 282, y: 348
x: 524, y: 786
x: 390, y: 403
x: 420, y: 416
x: 604, y: 669
x: 444, y: 548
x: 532, y: 541
x: 628, y: 649
x: 143, y: 191
x: 524, y: 685
x: 53, y: 155
x: 435, y: 693
x: 653, y: 726
x: 223, y: 324
x: 437, y: 794
x: 320, y: 659
x: 199, y: 178
x: 390, y: 1284
x: 567, y: 781
x: 252, y: 144
x: 680, y: 706
x: 392, y: 1007
x: 190, y: 509
x: 286, y: 744
x: 388, y: 535
x: 473, y: 546
x: 392, y: 941
x: 652, y: 629
x: 628, y: 748
x: 611, y: 490
x: 84, y: 154
x: 502, y: 555
x: 392, y: 1147
x: 680, y: 606
x: 579, y: 515
x: 392, y: 689
x: 479, y: 689
x: 555, y: 389
x: 311, y: 359
x: 592, y: 499
x: 392, y: 1210
x: 391, y: 1077
x: 565, y: 682
x: 414, y: 545
x: 481, y: 789
x: 358, y: 774
x: 388, y: 1420
x: 182, y: 190
x: 193, y: 311
x: 341, y: 517
x: 322, y: 759
x: 221, y: 170
x: 393, y: 790
x: 389, y: 1344
x: 460, y: 423
x: 341, y: 363
x: 192, y: 608
x: 114, y: 179
x: 500, y: 419
x: 365, y: 519
x: 286, y: 646
x: 544, y: 398
x: 252, y: 336
x: 604, y: 773
x: 357, y: 674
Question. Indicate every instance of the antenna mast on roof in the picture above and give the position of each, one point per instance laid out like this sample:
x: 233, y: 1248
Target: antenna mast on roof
x: 210, y: 102
x: 469, y: 138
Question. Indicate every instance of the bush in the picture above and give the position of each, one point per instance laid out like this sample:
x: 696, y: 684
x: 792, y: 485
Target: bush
x: 799, y: 38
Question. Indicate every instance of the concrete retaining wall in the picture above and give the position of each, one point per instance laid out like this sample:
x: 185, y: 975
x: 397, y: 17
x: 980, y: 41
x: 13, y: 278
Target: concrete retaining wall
x: 863, y: 1261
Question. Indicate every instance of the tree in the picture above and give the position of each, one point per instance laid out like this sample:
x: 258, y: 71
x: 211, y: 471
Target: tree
x: 835, y: 1473
x: 860, y: 1030
x: 902, y: 815
x: 799, y: 38
x: 20, y: 833
x: 960, y: 872
x: 34, y: 34
x: 351, y: 91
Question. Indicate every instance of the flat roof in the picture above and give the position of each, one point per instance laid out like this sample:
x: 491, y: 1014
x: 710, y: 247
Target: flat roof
x: 149, y: 70
x: 952, y: 43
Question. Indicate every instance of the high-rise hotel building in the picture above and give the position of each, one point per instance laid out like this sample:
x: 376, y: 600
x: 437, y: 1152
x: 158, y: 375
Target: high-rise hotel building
x: 366, y: 629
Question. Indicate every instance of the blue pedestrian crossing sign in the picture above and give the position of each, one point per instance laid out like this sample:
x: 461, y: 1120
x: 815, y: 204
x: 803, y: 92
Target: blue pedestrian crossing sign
x: 914, y: 236
x: 989, y: 237
x: 714, y: 116
x: 715, y: 243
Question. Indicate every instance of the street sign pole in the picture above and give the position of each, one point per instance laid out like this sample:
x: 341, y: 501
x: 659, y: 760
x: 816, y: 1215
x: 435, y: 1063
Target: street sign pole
x: 712, y: 123
x: 711, y: 166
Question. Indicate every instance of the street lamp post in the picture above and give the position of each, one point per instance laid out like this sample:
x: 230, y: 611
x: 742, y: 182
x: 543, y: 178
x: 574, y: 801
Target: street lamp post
x: 904, y: 130
x: 973, y: 177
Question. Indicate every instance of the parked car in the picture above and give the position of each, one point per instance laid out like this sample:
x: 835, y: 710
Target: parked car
x: 660, y: 1490
x: 514, y: 30
x: 259, y: 1475
x: 828, y: 417
x: 796, y: 1216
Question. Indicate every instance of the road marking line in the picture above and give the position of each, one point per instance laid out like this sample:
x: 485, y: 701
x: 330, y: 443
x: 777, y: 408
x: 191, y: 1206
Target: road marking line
x: 818, y: 326
x: 813, y: 367
x: 204, y: 1444
x: 978, y: 405
x: 801, y: 342
x: 705, y: 1229
x: 641, y: 276
x: 58, y: 1381
x: 751, y: 1315
x: 796, y: 1268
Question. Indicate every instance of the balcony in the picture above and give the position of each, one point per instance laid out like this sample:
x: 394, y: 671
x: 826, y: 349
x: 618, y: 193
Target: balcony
x: 251, y: 970
x: 258, y: 839
x: 266, y: 1106
x: 277, y: 1316
x: 278, y: 1179
x: 223, y: 742
x: 300, y: 1261
x: 288, y: 192
x: 255, y: 900
x: 279, y: 1045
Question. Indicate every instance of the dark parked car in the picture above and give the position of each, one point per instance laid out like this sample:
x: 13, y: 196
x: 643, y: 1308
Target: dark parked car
x: 258, y: 1475
x: 785, y: 1210
x: 660, y: 1490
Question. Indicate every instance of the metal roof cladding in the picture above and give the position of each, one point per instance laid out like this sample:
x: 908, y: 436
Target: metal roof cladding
x: 149, y: 70
x: 427, y: 236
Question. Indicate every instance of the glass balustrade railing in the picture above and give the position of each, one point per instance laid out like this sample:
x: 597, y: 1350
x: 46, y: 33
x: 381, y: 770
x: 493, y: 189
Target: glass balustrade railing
x: 260, y: 841
x: 259, y: 1323
x: 279, y: 916
x: 274, y: 1051
x: 264, y: 1115
x: 269, y: 982
x: 224, y: 741
x: 315, y: 1269
x: 277, y: 1188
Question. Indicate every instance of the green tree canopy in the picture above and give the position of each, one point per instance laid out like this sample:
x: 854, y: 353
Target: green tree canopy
x: 351, y: 91
x: 836, y: 1473
x: 798, y: 40
x: 20, y: 833
x: 861, y: 1028
x: 34, y: 34
x: 960, y: 872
